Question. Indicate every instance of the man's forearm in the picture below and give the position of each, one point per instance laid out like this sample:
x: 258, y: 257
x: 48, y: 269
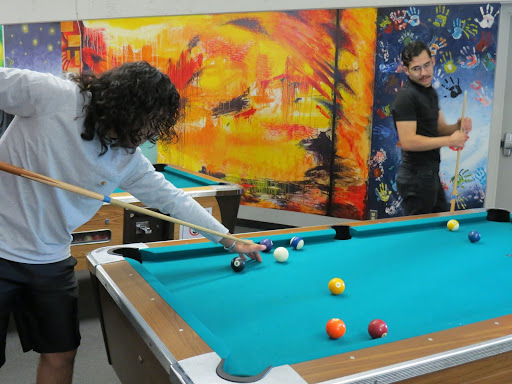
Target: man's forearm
x: 420, y: 143
x: 447, y: 129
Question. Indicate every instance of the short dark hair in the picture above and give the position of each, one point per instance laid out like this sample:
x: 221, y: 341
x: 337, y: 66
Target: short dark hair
x: 132, y: 103
x: 414, y: 49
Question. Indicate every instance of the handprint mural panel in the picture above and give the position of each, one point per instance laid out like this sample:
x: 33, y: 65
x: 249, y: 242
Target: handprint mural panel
x: 462, y: 39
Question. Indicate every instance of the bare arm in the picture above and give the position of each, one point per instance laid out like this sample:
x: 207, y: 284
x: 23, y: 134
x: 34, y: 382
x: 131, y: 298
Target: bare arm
x: 445, y: 129
x: 411, y: 141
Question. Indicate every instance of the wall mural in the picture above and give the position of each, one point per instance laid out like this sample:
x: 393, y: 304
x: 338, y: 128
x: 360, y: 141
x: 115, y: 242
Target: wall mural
x: 33, y: 46
x: 1, y: 47
x: 71, y: 46
x: 279, y: 102
x: 294, y: 106
x: 462, y: 39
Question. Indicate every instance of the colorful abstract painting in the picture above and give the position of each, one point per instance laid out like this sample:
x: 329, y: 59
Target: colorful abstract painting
x: 294, y: 106
x: 70, y: 43
x: 462, y: 39
x: 279, y: 102
x: 1, y: 47
x: 33, y: 46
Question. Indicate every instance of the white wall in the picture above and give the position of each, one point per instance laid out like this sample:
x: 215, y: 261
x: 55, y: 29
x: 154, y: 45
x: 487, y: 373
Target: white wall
x: 29, y: 11
x: 499, y: 190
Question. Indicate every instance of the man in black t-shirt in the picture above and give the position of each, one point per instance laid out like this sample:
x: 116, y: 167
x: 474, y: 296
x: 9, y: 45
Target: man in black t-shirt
x: 422, y: 131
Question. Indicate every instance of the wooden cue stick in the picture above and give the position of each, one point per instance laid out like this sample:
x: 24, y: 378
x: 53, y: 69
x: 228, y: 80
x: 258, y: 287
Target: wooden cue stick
x: 94, y: 195
x: 456, y: 177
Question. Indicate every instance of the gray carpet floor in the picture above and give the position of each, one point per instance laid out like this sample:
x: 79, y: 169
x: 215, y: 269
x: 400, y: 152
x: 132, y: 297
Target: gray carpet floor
x: 91, y: 365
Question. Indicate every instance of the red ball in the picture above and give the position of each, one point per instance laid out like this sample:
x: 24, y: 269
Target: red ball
x: 335, y: 328
x: 377, y: 328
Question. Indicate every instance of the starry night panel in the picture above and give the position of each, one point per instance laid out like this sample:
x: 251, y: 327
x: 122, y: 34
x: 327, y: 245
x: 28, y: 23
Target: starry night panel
x: 34, y: 46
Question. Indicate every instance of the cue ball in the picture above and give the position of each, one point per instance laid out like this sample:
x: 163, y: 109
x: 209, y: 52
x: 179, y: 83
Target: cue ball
x: 335, y: 328
x: 377, y: 328
x: 281, y: 254
x: 474, y: 236
x: 336, y: 286
x: 297, y: 242
x: 267, y: 243
x: 452, y: 225
x: 238, y: 264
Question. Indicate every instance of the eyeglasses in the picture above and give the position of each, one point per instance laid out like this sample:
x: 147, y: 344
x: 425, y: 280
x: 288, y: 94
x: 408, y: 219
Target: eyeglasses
x: 419, y: 68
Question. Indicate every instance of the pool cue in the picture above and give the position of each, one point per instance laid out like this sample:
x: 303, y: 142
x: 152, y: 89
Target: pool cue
x: 98, y: 196
x: 456, y: 177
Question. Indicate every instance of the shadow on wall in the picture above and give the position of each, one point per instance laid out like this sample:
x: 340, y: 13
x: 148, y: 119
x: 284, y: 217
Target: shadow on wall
x: 5, y: 120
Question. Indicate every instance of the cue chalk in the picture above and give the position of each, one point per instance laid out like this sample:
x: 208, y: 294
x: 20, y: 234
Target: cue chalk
x: 107, y: 199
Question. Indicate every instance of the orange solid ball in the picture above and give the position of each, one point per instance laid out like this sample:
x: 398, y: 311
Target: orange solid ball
x: 335, y: 328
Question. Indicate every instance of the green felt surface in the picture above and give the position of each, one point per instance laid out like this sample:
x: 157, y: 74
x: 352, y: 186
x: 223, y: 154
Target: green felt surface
x: 182, y: 179
x: 417, y: 276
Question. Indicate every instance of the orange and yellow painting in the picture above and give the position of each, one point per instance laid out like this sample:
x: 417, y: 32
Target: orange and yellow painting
x: 1, y: 48
x: 279, y: 102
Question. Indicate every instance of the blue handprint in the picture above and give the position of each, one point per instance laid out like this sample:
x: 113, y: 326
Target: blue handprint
x: 481, y: 176
x: 392, y: 67
x: 414, y: 17
x: 457, y: 28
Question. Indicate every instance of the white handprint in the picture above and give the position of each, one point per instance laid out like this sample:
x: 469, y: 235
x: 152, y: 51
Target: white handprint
x: 438, y: 76
x: 487, y: 17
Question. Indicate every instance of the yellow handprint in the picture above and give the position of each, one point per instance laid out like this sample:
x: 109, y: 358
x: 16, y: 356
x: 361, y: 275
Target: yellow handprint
x: 448, y: 65
x: 383, y: 193
x: 384, y: 22
x: 441, y: 16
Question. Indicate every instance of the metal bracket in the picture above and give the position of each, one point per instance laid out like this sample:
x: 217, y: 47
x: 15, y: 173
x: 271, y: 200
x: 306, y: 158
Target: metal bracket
x: 506, y: 144
x: 143, y: 226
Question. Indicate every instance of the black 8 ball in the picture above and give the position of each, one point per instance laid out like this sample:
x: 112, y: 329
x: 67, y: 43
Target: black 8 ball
x: 238, y: 264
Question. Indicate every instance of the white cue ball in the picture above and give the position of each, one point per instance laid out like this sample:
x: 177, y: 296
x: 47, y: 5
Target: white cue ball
x: 281, y: 254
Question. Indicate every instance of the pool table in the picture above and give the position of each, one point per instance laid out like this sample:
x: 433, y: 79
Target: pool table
x: 175, y: 312
x: 113, y: 225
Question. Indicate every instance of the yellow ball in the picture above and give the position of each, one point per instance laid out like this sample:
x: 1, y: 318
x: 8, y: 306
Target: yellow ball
x: 336, y: 286
x: 453, y: 225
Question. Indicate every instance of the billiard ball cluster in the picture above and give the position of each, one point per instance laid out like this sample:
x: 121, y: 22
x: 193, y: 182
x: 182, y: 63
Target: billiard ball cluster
x: 281, y: 254
x: 336, y: 328
x: 473, y: 236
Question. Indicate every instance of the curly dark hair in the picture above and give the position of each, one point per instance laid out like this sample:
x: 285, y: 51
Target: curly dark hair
x: 130, y: 104
x: 412, y: 50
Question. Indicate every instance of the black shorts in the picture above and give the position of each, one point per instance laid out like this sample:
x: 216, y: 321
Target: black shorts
x: 43, y: 299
